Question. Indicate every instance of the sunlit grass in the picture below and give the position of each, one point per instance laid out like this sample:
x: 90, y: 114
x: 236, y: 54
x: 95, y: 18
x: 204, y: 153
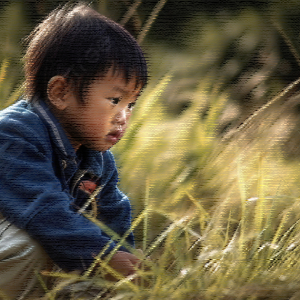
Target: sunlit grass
x: 242, y: 246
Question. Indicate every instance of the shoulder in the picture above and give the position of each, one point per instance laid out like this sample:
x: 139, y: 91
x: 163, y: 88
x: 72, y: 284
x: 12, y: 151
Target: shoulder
x: 109, y: 168
x: 18, y: 115
x: 109, y: 161
x: 21, y: 122
x: 108, y: 156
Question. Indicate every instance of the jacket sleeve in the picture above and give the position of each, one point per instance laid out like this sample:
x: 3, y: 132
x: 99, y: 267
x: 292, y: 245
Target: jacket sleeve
x: 114, y: 206
x: 32, y: 197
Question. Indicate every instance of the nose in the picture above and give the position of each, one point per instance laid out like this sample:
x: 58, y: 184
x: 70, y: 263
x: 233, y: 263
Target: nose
x: 121, y: 117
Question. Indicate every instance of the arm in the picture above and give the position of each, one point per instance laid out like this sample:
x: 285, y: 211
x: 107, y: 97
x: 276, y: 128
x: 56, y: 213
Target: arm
x: 114, y: 206
x: 31, y: 196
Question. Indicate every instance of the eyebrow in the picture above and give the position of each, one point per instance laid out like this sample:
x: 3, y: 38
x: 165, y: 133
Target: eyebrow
x: 119, y: 89
x: 123, y: 91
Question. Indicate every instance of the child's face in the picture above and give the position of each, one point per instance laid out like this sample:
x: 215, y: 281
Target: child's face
x: 101, y: 121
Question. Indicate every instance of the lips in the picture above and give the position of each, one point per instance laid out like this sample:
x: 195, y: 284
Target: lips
x: 115, y: 135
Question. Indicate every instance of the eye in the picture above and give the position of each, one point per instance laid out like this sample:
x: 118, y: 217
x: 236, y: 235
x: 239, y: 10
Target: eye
x: 131, y: 105
x: 114, y: 101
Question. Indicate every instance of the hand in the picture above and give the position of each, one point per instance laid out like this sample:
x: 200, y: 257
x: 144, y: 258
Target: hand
x: 124, y: 263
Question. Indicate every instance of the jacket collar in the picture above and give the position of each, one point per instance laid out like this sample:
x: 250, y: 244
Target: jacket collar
x: 93, y: 160
x: 56, y: 131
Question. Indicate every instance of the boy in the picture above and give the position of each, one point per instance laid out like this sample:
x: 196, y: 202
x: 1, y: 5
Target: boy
x: 83, y: 75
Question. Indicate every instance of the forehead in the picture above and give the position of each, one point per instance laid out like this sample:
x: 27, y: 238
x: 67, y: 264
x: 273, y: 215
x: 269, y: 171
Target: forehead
x: 117, y: 81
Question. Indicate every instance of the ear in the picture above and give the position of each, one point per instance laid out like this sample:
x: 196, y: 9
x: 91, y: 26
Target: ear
x: 58, y: 91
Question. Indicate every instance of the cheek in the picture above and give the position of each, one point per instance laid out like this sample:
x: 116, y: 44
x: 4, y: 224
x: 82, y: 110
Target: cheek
x: 99, y: 124
x: 128, y: 115
x: 97, y: 116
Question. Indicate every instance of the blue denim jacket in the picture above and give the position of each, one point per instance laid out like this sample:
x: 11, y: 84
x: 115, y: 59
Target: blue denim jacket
x: 40, y: 175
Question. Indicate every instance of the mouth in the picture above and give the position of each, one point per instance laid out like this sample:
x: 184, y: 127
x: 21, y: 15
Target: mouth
x: 115, y: 135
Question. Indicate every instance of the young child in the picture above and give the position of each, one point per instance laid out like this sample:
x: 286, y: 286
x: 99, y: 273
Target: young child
x: 83, y: 74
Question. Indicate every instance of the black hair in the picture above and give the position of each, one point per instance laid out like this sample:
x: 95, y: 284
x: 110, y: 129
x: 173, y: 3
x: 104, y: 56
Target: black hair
x: 80, y: 44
